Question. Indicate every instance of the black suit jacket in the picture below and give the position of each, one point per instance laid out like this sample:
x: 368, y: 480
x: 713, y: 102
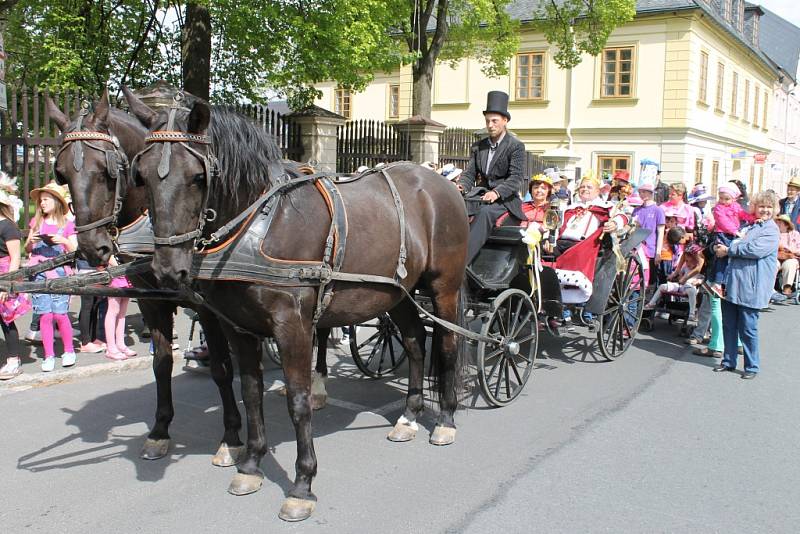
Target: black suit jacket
x: 506, y: 174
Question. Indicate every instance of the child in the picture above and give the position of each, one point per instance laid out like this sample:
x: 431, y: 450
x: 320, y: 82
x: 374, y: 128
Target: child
x: 651, y: 217
x: 52, y: 234
x: 10, y: 238
x: 728, y: 217
x: 115, y: 321
x: 686, y: 277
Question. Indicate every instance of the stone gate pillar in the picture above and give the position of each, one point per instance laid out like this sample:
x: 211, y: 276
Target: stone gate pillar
x: 424, y: 137
x: 318, y: 136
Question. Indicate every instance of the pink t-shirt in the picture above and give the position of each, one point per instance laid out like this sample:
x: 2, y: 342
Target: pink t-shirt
x: 728, y: 219
x: 52, y: 229
x: 684, y: 213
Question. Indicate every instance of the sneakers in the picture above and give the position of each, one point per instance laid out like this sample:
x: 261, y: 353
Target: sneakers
x: 128, y: 352
x: 92, y: 347
x: 569, y: 326
x: 11, y: 369
x: 68, y: 359
x: 115, y: 355
x: 49, y: 364
x: 693, y: 341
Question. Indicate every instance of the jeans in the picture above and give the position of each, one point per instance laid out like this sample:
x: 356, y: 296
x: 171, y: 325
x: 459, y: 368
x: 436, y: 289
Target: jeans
x: 703, y: 318
x: 741, y: 321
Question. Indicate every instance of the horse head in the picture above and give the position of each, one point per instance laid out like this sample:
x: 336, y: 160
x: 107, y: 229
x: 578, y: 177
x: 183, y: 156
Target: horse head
x: 176, y: 167
x: 93, y: 162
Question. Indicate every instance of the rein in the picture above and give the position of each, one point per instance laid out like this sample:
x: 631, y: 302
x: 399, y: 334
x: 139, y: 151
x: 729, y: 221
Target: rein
x: 165, y: 138
x: 116, y: 166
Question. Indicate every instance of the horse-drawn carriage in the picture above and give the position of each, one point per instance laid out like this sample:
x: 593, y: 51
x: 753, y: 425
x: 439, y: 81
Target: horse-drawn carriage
x: 204, y: 192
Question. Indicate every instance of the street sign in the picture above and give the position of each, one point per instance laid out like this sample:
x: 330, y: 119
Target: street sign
x: 759, y: 157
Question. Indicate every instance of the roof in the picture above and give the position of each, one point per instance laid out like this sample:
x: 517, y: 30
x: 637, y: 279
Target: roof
x: 780, y: 40
x: 523, y: 10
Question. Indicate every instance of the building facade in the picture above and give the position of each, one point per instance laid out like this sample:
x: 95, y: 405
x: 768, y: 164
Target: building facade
x: 683, y: 84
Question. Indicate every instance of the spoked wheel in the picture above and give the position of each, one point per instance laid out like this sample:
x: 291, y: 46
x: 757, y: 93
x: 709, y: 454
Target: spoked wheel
x: 619, y: 323
x: 377, y: 346
x: 504, y: 367
x: 271, y: 349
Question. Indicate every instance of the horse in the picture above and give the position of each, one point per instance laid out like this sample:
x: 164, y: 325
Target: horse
x: 203, y: 167
x: 95, y: 149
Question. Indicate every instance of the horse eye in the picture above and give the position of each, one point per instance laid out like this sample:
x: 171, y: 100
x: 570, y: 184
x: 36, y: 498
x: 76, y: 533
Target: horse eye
x: 199, y: 178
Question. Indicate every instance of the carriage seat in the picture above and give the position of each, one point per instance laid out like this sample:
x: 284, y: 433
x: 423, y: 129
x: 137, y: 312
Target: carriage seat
x: 506, y: 235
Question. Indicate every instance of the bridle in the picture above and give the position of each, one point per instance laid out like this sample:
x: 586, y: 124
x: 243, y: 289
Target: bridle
x: 166, y: 138
x: 116, y: 166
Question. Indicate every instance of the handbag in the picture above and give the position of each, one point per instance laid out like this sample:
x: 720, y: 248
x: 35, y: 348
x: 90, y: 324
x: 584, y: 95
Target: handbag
x: 15, y: 306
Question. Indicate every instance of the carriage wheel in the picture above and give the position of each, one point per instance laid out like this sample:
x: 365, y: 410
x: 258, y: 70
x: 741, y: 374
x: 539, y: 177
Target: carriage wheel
x: 620, y: 321
x: 377, y: 346
x: 504, y: 368
x: 271, y: 349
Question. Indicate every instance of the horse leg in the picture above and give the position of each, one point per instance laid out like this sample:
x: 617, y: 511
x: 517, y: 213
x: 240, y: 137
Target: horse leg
x: 158, y: 317
x: 222, y: 372
x: 295, y: 343
x: 413, y: 331
x: 249, y: 476
x: 319, y: 395
x: 446, y: 362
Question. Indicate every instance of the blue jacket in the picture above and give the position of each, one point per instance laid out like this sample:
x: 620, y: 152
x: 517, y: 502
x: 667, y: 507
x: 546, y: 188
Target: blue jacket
x: 795, y: 214
x: 752, y: 266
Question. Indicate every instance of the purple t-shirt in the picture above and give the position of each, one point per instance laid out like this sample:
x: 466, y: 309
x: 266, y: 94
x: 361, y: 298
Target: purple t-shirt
x: 650, y: 217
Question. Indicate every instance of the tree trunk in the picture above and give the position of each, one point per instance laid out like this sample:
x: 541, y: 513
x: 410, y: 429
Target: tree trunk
x: 423, y: 86
x: 196, y: 53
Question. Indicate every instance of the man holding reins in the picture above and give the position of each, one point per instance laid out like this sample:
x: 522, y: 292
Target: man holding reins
x: 494, y: 175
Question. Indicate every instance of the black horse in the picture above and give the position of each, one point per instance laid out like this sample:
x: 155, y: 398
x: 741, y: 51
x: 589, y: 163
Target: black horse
x: 178, y: 170
x: 93, y: 162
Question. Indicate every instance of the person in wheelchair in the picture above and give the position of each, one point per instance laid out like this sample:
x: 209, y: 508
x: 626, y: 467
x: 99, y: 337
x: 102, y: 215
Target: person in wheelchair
x: 541, y: 187
x: 788, y: 253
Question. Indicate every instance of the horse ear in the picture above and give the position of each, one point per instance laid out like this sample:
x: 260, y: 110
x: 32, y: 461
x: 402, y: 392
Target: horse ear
x: 61, y: 120
x: 140, y: 110
x: 101, y: 110
x: 199, y: 118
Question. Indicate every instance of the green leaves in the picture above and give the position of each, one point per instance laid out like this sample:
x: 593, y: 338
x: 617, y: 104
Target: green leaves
x: 575, y: 27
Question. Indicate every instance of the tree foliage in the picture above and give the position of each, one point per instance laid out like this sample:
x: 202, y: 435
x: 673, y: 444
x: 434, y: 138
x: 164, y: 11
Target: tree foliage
x: 580, y: 26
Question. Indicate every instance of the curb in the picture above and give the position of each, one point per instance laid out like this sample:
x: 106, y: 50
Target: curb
x: 39, y: 379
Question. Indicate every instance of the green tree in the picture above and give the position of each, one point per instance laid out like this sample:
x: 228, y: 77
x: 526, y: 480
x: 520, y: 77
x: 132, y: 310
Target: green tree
x: 575, y: 27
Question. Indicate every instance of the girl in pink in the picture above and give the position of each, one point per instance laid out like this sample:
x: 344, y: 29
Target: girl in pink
x: 52, y: 234
x: 677, y: 204
x: 115, y: 321
x: 728, y: 218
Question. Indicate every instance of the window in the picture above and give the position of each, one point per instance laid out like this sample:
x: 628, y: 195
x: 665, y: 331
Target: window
x: 394, y: 101
x: 764, y: 123
x: 703, y: 76
x: 740, y: 21
x: 714, y: 176
x: 746, y: 107
x: 726, y: 9
x: 343, y: 102
x: 752, y: 178
x: 698, y: 170
x: 734, y: 93
x: 755, y: 29
x: 755, y: 106
x: 617, y: 73
x: 530, y: 76
x: 608, y: 165
x: 720, y: 85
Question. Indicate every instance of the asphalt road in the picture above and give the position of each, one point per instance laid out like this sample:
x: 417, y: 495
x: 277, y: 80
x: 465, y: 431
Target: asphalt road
x: 654, y: 442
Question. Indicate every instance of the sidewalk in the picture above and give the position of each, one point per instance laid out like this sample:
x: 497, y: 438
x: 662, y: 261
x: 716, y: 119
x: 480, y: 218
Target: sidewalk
x: 89, y: 364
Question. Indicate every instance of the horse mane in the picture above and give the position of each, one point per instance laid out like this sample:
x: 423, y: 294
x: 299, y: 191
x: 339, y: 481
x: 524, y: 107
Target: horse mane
x: 245, y: 153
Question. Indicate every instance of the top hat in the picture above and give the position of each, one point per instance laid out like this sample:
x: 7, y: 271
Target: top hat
x: 497, y: 102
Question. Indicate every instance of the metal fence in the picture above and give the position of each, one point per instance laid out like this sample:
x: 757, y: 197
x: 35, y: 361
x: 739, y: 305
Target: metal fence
x: 29, y: 137
x: 369, y: 142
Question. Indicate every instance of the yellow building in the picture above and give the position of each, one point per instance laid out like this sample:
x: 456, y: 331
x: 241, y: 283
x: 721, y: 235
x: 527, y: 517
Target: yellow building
x: 682, y: 84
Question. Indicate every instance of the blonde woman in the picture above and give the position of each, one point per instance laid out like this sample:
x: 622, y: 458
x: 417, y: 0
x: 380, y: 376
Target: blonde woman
x: 52, y: 234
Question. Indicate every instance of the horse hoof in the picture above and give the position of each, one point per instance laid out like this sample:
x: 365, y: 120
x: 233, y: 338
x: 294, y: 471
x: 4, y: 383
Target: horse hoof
x: 318, y: 402
x: 443, y: 435
x: 295, y: 509
x: 227, y: 456
x: 153, y: 449
x: 244, y: 484
x: 402, y: 432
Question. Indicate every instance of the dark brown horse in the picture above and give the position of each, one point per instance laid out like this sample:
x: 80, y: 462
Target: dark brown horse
x: 181, y: 187
x: 93, y: 161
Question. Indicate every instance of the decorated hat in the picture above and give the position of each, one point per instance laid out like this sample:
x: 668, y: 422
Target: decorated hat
x: 699, y: 197
x: 58, y: 192
x: 591, y: 177
x: 634, y: 200
x: 542, y: 178
x: 450, y: 171
x: 788, y: 220
x: 794, y: 181
x: 497, y: 102
x: 622, y: 176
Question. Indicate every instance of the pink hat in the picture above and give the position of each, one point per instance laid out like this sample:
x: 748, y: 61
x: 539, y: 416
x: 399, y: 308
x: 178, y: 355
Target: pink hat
x: 634, y: 200
x: 729, y: 189
x: 646, y: 187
